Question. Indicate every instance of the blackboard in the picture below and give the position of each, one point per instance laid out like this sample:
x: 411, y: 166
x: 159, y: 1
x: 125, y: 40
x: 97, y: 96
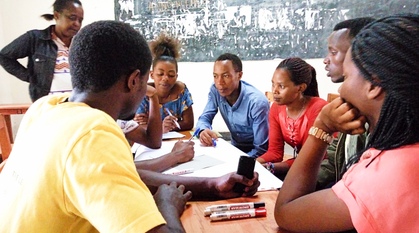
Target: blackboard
x: 252, y: 29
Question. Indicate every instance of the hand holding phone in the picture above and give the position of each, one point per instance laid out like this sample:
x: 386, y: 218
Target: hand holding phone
x: 245, y: 168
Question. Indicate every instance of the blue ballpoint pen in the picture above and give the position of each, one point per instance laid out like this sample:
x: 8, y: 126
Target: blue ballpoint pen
x: 214, y: 142
x: 170, y: 114
x: 194, y: 134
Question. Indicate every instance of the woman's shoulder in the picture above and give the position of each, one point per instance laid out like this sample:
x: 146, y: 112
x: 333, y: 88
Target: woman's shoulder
x: 315, y: 105
x: 277, y: 108
x: 42, y: 33
x: 180, y: 85
x: 316, y: 101
x: 178, y: 88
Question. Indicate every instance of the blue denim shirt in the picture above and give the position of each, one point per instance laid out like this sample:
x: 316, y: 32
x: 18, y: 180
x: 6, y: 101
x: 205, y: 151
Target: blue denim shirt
x: 41, y: 51
x: 247, y: 119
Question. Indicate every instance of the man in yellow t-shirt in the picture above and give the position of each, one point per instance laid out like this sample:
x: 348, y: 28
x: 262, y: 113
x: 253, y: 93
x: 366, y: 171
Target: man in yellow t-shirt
x: 63, y: 175
x: 70, y: 178
x: 71, y: 168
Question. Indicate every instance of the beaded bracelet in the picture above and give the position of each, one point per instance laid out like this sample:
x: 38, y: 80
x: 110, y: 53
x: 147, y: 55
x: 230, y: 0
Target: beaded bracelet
x: 270, y: 166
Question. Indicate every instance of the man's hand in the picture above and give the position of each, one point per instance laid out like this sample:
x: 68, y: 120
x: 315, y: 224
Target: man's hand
x: 224, y: 185
x: 185, y: 151
x: 207, y: 137
x: 141, y: 118
x: 150, y: 91
x: 170, y: 198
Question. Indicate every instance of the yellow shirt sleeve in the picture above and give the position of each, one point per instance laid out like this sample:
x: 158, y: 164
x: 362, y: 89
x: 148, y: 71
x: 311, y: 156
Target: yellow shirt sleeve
x: 102, y: 185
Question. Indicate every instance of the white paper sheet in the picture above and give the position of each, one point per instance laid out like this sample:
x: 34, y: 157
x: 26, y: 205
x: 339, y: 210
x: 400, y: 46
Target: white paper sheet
x: 172, y: 135
x: 224, y: 152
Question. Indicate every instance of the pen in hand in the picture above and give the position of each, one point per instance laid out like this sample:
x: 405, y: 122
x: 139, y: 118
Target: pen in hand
x: 194, y: 134
x: 170, y: 114
x: 214, y: 141
x: 197, y: 131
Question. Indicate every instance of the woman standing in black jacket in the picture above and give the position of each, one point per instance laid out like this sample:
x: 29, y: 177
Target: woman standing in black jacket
x: 47, y: 70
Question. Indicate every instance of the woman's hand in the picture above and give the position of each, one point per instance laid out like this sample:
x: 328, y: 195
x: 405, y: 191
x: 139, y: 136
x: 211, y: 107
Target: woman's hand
x: 340, y: 116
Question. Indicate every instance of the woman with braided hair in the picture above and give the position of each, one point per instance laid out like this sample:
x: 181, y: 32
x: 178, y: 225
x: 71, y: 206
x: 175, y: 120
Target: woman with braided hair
x: 378, y: 193
x: 174, y: 97
x: 296, y: 105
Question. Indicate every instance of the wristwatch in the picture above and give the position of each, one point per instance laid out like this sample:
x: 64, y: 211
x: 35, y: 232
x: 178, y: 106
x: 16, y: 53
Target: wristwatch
x: 320, y: 134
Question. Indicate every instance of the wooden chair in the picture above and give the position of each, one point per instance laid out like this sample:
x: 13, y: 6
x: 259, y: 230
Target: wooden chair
x: 269, y: 96
x: 331, y: 97
x: 10, y: 109
x: 5, y: 145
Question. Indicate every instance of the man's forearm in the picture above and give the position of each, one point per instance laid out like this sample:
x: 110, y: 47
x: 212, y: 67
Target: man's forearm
x: 201, y: 187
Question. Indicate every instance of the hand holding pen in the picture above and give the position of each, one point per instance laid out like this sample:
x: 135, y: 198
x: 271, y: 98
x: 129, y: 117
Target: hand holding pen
x: 207, y: 137
x: 170, y: 118
x: 183, y: 151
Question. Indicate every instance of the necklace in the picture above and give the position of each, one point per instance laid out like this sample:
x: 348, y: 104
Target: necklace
x: 291, y: 121
x: 299, y: 113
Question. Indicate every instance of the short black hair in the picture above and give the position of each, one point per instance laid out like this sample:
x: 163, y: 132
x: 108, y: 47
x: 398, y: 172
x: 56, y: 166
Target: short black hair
x: 237, y: 63
x: 104, y: 51
x: 354, y: 25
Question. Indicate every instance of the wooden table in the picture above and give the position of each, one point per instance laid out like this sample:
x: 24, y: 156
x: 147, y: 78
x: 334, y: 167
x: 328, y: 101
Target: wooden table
x: 11, y: 109
x: 194, y: 221
x: 193, y: 218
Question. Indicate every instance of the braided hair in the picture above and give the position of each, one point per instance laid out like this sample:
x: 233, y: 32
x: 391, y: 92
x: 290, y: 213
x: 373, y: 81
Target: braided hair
x: 301, y: 72
x: 165, y: 48
x: 59, y: 6
x: 387, y: 53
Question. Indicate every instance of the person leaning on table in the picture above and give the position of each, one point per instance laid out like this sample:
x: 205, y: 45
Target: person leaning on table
x: 378, y: 193
x: 71, y: 168
x: 243, y: 107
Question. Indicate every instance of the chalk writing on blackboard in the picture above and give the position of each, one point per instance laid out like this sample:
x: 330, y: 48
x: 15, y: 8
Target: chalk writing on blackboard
x: 252, y: 29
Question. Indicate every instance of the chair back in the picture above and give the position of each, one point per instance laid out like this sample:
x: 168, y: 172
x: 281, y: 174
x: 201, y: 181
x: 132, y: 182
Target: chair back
x: 270, y: 97
x: 5, y: 145
x: 331, y: 97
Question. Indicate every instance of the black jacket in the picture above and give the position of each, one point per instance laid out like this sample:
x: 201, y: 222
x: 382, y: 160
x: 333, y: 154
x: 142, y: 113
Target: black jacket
x: 41, y: 51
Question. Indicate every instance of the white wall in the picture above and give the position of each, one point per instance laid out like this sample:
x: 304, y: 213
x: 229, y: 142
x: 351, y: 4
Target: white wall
x: 17, y: 17
x: 198, y: 78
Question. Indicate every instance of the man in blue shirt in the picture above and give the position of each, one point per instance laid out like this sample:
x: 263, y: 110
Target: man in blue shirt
x: 244, y: 108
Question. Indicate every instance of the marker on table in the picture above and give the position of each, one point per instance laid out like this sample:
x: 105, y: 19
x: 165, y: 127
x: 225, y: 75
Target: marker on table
x: 234, y: 206
x: 180, y: 172
x: 238, y: 214
x: 170, y: 114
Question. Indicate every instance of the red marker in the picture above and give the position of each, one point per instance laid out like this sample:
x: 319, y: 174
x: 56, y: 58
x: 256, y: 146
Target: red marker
x: 238, y: 214
x: 233, y: 206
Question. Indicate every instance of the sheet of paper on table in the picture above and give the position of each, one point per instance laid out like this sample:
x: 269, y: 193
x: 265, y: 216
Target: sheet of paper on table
x: 172, y: 135
x: 200, y: 160
x: 221, y: 160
